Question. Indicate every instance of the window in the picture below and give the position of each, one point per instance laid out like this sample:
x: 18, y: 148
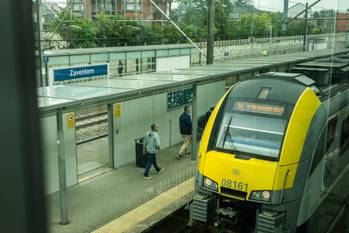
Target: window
x: 78, y: 5
x: 344, y: 144
x: 133, y: 5
x: 331, y: 132
x: 319, y: 152
x: 253, y: 129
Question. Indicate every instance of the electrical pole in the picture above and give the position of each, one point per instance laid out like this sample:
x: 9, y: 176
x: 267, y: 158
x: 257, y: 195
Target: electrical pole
x: 270, y: 39
x: 305, y: 40
x: 285, y: 17
x: 251, y: 25
x: 210, y: 39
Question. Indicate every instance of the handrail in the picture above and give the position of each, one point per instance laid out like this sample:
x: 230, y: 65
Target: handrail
x: 284, y: 185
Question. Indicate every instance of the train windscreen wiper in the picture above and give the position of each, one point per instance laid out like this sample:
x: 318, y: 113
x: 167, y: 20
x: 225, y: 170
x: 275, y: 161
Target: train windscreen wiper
x: 227, y: 134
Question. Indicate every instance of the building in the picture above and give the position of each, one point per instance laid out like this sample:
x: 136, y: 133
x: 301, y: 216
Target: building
x: 240, y: 10
x: 342, y: 22
x: 131, y: 9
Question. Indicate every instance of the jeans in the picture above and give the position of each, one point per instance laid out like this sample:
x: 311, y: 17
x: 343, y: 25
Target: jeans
x: 151, y: 161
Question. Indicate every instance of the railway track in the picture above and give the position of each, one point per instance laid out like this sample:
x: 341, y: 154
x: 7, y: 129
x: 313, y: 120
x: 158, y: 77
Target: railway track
x: 91, y: 127
x: 91, y: 120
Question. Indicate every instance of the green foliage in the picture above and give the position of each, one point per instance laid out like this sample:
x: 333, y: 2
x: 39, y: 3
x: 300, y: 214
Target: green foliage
x: 325, y: 26
x: 191, y: 16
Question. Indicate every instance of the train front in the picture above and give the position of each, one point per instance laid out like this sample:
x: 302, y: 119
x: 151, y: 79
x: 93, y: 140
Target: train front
x: 250, y: 153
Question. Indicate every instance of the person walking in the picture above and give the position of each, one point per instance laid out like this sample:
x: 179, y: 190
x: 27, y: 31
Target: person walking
x: 120, y: 68
x: 151, y: 147
x: 185, y: 127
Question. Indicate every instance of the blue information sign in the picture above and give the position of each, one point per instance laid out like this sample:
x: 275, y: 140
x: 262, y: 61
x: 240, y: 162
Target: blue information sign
x: 80, y: 72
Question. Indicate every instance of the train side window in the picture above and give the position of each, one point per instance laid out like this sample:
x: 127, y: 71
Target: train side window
x: 344, y: 144
x: 319, y: 151
x: 331, y: 132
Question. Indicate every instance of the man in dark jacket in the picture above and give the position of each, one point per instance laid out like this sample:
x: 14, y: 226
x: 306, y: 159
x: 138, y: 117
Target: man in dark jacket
x: 185, y: 126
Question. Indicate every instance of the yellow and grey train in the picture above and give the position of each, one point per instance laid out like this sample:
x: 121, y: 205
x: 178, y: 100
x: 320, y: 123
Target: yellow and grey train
x: 264, y: 154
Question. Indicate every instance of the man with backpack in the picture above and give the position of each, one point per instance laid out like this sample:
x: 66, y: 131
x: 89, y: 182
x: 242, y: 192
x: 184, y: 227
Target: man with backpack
x: 151, y: 147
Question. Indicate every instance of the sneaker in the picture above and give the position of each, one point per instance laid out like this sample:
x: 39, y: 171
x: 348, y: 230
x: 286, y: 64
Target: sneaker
x: 146, y: 177
x: 179, y: 156
x: 161, y: 171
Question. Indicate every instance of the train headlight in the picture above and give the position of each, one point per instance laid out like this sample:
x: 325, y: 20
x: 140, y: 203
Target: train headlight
x: 264, y: 195
x: 210, y: 184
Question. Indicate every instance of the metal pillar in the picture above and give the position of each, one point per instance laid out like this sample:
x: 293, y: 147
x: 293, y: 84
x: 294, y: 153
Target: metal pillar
x: 285, y: 16
x: 305, y: 40
x: 210, y: 38
x: 62, y: 170
x: 251, y: 25
x: 195, y: 124
x: 111, y: 134
x: 270, y: 40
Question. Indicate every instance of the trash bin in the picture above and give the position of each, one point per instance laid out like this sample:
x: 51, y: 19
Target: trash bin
x: 141, y: 159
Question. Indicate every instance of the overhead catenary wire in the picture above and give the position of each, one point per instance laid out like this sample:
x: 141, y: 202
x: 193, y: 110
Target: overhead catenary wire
x: 61, y: 20
x: 178, y: 28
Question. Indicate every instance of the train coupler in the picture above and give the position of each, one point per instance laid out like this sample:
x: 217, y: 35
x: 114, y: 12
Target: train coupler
x: 226, y: 216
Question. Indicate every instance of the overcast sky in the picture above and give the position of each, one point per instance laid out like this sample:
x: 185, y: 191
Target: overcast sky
x: 277, y: 5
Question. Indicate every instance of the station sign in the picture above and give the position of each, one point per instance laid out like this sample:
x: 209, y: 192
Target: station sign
x: 72, y: 73
x: 179, y: 98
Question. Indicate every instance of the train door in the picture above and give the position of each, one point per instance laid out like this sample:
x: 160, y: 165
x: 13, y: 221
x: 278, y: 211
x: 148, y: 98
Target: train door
x: 344, y: 141
x: 332, y: 151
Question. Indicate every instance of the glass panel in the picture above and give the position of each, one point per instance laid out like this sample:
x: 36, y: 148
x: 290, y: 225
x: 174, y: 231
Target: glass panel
x: 250, y: 134
x: 148, y: 54
x: 185, y: 51
x: 80, y: 59
x: 162, y: 53
x: 116, y: 56
x: 59, y: 60
x: 173, y: 52
x: 99, y: 57
x: 131, y: 55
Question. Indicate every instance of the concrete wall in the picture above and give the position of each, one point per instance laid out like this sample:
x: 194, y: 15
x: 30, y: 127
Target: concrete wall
x: 50, y: 152
x: 137, y: 116
x: 209, y: 95
x: 135, y: 119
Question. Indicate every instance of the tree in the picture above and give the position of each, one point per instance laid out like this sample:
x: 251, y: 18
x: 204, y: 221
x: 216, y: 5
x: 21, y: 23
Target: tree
x: 54, y: 41
x: 78, y: 32
x: 325, y: 26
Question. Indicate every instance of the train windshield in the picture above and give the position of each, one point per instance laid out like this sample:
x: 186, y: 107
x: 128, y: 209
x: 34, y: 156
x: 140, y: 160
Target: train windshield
x: 252, y: 129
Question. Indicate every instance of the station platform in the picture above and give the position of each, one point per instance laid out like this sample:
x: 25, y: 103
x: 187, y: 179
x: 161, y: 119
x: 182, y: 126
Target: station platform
x: 121, y: 201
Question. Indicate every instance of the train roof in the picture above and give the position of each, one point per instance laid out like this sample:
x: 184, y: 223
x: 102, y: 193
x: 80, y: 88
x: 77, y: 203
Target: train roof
x: 280, y: 87
x: 322, y: 91
x: 324, y: 64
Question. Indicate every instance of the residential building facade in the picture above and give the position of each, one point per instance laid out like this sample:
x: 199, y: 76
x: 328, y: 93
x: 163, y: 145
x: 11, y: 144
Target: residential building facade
x: 131, y: 9
x: 342, y: 22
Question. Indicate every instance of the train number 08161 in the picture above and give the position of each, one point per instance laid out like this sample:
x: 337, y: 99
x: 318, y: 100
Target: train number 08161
x: 235, y: 185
